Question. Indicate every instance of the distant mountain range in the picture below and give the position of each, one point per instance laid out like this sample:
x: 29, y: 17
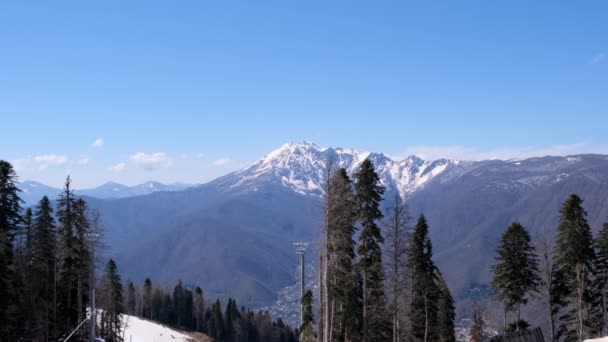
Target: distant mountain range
x: 233, y: 236
x: 33, y: 191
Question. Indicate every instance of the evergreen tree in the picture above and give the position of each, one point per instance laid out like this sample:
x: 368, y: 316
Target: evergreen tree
x: 341, y: 252
x: 44, y: 249
x: 574, y: 259
x: 82, y: 261
x: 425, y: 292
x: 516, y: 270
x: 68, y: 253
x: 10, y: 219
x: 147, y: 300
x: 368, y: 195
x: 601, y: 281
x: 306, y: 302
x: 446, y: 312
x: 199, y: 308
x: 112, y: 302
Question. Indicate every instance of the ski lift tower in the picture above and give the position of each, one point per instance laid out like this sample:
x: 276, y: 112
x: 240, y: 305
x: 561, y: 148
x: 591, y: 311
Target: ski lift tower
x: 301, y: 250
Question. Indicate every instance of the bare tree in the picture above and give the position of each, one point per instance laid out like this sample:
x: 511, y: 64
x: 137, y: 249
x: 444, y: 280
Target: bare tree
x: 397, y: 237
x: 324, y: 257
x: 547, y: 293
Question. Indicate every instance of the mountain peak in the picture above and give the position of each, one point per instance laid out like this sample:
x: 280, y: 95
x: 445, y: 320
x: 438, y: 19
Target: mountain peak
x: 300, y: 167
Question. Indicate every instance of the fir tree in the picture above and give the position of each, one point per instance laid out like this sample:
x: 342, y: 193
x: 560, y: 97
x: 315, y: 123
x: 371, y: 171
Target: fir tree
x: 10, y: 219
x: 111, y: 301
x: 368, y: 195
x: 516, y: 270
x: 306, y: 302
x: 131, y: 298
x: 341, y: 251
x: 574, y: 259
x: 425, y: 292
x: 44, y: 249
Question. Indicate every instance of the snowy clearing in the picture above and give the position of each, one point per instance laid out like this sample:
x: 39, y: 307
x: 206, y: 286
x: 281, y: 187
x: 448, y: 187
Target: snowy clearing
x: 140, y: 330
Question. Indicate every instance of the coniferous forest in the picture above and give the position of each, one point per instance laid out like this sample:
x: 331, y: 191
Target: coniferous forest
x: 377, y: 279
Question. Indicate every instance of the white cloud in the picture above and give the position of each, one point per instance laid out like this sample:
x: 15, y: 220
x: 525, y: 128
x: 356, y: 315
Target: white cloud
x: 201, y: 155
x: 504, y: 153
x: 598, y: 58
x: 83, y: 161
x: 119, y: 168
x: 222, y: 161
x: 46, y: 160
x: 23, y: 164
x: 97, y: 143
x: 151, y: 161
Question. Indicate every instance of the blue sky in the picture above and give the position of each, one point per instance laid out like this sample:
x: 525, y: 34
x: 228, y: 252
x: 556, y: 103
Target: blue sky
x: 187, y: 91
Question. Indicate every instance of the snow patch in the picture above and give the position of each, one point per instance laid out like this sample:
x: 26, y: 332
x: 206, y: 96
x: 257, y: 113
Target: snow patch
x: 140, y: 330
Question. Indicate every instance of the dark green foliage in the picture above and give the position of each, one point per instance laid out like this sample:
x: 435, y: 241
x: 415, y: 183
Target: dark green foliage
x: 575, y: 259
x: 517, y: 326
x: 516, y: 269
x: 147, y: 301
x: 306, y: 302
x: 11, y: 311
x: 425, y: 292
x: 446, y: 312
x: 111, y: 300
x: 44, y: 249
x: 368, y: 195
x: 131, y: 299
x: 341, y: 251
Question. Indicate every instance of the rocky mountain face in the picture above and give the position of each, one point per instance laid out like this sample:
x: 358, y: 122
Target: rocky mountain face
x: 233, y: 236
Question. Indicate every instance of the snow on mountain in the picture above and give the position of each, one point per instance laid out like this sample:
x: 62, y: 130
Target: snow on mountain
x: 300, y: 167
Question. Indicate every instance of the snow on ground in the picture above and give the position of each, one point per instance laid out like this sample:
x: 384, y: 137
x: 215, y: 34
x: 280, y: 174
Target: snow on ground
x: 140, y: 330
x: 601, y: 339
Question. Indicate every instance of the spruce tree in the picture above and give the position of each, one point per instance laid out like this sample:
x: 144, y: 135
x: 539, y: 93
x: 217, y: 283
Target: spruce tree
x: 574, y: 259
x: 10, y: 219
x: 112, y: 302
x: 44, y: 249
x: 425, y: 291
x: 516, y: 270
x: 368, y: 195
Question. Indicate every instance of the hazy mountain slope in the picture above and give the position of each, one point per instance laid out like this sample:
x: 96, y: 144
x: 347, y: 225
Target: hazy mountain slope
x: 33, y: 191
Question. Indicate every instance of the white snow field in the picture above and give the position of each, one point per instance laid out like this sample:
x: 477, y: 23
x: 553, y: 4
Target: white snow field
x: 600, y: 339
x: 140, y: 330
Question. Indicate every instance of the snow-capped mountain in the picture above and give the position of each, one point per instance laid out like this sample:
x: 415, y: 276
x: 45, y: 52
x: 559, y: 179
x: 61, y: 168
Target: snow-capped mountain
x: 301, y: 166
x: 32, y: 191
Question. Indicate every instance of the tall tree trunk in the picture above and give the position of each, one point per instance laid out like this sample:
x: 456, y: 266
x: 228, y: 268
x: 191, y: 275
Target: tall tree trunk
x: 426, y: 318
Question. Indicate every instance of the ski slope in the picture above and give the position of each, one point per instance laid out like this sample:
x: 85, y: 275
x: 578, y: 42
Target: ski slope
x: 140, y: 330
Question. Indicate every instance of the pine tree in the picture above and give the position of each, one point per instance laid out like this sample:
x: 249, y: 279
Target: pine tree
x: 574, y: 258
x: 112, y: 302
x: 44, y: 249
x: 306, y: 302
x: 425, y: 292
x: 82, y: 262
x: 10, y: 219
x: 368, y: 195
x: 516, y: 270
